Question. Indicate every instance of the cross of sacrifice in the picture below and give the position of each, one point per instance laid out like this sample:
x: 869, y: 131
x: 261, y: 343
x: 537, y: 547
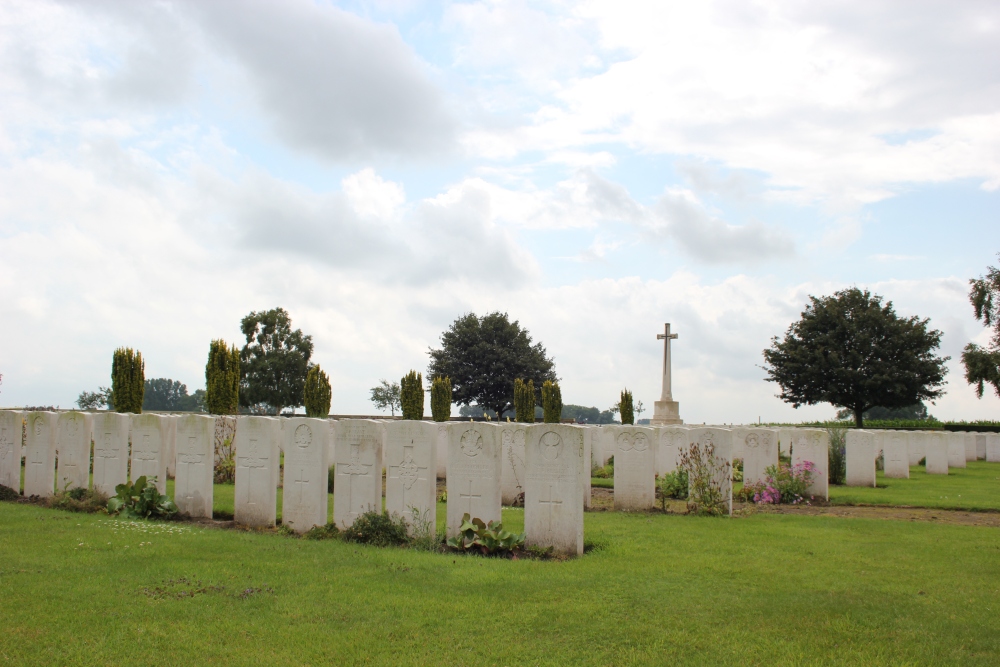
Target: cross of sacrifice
x: 666, y: 337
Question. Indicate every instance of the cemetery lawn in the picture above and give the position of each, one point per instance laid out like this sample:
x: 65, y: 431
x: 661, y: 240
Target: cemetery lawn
x: 976, y: 487
x: 658, y: 589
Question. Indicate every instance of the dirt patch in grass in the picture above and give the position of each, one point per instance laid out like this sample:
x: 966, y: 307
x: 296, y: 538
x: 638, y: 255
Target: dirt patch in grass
x: 956, y: 517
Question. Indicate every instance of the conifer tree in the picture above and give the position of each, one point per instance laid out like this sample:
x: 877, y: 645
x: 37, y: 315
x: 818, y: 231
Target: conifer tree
x: 524, y: 401
x: 441, y: 399
x: 411, y: 395
x: 625, y: 408
x: 317, y: 393
x: 222, y: 379
x: 128, y: 379
x: 551, y: 402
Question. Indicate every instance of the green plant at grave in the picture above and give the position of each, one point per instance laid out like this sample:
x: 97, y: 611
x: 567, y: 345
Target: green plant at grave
x: 551, y: 402
x: 491, y: 539
x: 128, y: 377
x: 411, y: 395
x: 422, y: 537
x: 222, y: 379
x: 441, y: 399
x: 7, y: 493
x: 141, y: 500
x: 317, y: 393
x: 78, y: 499
x: 672, y: 485
x: 524, y: 401
x: 380, y: 529
x: 626, y: 409
x: 837, y: 455
x: 606, y: 471
x: 705, y: 495
x: 737, y: 470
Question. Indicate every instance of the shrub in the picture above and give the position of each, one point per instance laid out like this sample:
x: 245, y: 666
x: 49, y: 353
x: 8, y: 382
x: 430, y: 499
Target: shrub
x: 225, y: 452
x: 603, y: 472
x: 783, y: 484
x: 673, y: 485
x: 327, y: 532
x: 411, y: 395
x: 837, y: 457
x: 222, y: 379
x: 487, y: 539
x: 421, y: 535
x: 377, y: 528
x: 625, y: 408
x: 705, y: 475
x: 7, y: 493
x: 141, y: 500
x: 128, y: 379
x: 441, y: 399
x: 737, y: 470
x: 79, y: 500
x: 317, y: 393
x: 524, y: 401
x: 551, y: 402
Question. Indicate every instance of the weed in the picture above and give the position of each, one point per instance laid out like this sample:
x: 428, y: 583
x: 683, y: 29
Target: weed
x: 378, y: 528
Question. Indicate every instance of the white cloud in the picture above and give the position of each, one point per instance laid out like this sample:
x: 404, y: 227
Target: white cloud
x: 372, y: 197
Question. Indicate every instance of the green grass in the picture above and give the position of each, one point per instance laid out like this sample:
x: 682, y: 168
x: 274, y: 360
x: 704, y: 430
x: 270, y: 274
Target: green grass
x: 660, y: 589
x: 976, y: 487
x: 602, y: 482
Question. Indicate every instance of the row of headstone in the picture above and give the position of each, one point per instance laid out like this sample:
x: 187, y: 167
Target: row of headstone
x: 939, y: 450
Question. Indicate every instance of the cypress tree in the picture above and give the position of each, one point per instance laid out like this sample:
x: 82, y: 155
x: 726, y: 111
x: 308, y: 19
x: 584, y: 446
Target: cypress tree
x: 625, y: 408
x: 524, y: 401
x: 222, y: 379
x: 551, y: 402
x: 128, y: 380
x: 411, y: 395
x: 317, y: 393
x: 441, y: 399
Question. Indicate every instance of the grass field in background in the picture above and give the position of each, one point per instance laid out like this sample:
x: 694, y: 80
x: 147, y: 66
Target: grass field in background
x: 976, y: 487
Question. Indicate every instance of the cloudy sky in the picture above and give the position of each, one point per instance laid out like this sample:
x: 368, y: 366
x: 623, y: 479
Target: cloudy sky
x: 594, y: 169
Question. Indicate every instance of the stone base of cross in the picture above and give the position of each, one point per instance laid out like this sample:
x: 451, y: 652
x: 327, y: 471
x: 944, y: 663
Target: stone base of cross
x: 666, y: 413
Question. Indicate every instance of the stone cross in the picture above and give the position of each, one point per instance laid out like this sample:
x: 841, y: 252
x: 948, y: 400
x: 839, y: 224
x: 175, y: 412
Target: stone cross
x: 666, y: 337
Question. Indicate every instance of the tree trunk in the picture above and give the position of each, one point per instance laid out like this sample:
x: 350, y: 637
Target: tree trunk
x: 859, y: 417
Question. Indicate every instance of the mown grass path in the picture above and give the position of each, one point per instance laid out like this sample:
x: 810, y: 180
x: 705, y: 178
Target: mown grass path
x: 659, y: 589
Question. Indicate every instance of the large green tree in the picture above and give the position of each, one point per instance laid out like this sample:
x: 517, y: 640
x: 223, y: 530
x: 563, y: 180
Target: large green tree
x: 273, y: 363
x: 484, y: 355
x: 222, y: 379
x: 172, y: 395
x: 982, y: 364
x: 128, y: 375
x: 853, y: 351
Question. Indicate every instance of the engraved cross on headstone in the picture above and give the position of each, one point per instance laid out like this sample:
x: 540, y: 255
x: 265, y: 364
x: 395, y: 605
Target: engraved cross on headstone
x: 352, y: 469
x: 470, y: 495
x: 550, y: 504
x: 253, y: 462
x: 407, y: 471
x: 666, y: 337
x: 300, y: 484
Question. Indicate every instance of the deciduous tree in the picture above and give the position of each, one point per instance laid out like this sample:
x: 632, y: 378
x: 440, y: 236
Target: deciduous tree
x: 386, y: 396
x: 273, y: 363
x: 982, y: 364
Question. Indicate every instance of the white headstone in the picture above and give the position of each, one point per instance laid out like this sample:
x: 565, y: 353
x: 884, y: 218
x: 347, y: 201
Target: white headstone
x: 411, y: 471
x: 357, y: 486
x: 512, y: 473
x: 956, y: 449
x: 970, y: 446
x: 993, y: 447
x: 917, y: 447
x: 635, y: 467
x: 73, y: 450
x: 671, y: 441
x: 257, y: 463
x: 813, y: 444
x: 442, y: 450
x: 981, y: 446
x: 760, y: 451
x: 860, y: 453
x: 110, y: 451
x: 474, y: 470
x: 149, y: 435
x: 40, y: 454
x: 304, y: 497
x: 588, y: 457
x: 170, y: 445
x: 936, y: 453
x: 784, y: 441
x: 194, y: 477
x: 719, y: 443
x: 556, y: 463
x: 602, y: 441
x: 895, y: 446
x: 10, y: 449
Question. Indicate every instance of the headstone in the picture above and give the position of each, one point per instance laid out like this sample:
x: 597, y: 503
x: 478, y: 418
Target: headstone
x: 993, y: 447
x: 512, y: 473
x: 442, y: 450
x: 860, y: 452
x: 635, y: 468
x: 588, y: 456
x: 956, y: 449
x: 73, y: 450
x: 719, y: 443
x: 760, y: 451
x: 936, y: 454
x: 411, y: 471
x: 170, y: 445
x: 257, y: 463
x: 970, y: 446
x: 980, y: 446
x: 10, y: 449
x: 917, y: 447
x: 110, y: 451
x: 40, y: 454
x: 194, y: 476
x: 304, y: 497
x: 813, y: 444
x: 357, y: 487
x: 149, y: 435
x: 474, y: 470
x: 895, y: 447
x: 556, y: 463
x: 784, y: 441
x: 672, y: 440
x: 602, y: 443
